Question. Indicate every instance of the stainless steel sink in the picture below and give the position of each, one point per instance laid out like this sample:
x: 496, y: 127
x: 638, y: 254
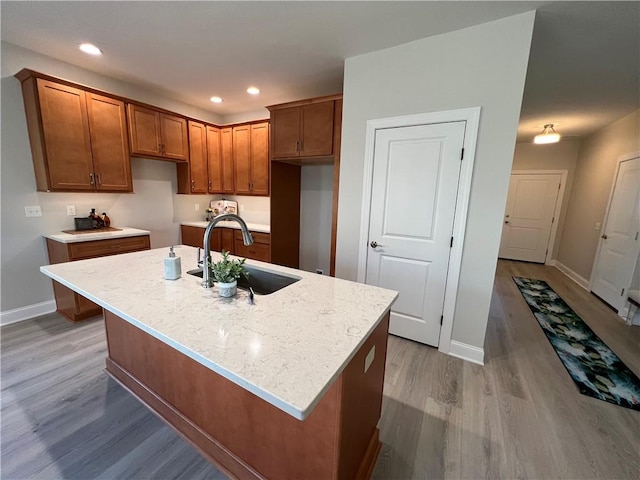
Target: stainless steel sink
x: 262, y: 281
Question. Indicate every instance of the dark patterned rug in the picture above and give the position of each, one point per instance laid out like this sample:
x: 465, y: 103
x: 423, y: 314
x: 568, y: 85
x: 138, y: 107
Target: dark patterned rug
x: 596, y: 370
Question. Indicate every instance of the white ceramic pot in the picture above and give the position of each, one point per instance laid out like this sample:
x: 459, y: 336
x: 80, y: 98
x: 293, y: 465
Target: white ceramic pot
x: 227, y: 289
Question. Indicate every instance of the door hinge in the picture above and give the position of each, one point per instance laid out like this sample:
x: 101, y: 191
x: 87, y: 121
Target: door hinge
x: 462, y: 155
x: 441, y: 319
x: 553, y: 219
x: 622, y: 292
x: 451, y: 244
x: 637, y: 235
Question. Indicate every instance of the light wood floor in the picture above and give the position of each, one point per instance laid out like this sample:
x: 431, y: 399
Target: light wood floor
x: 519, y: 416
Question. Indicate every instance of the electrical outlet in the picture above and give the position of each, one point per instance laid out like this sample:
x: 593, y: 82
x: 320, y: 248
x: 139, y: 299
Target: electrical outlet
x: 197, y: 207
x: 319, y: 271
x: 71, y: 210
x: 241, y: 207
x: 33, y: 211
x: 596, y: 226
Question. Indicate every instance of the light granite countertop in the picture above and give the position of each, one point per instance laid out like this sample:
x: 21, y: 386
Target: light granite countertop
x: 89, y: 236
x: 254, y: 227
x: 287, y: 348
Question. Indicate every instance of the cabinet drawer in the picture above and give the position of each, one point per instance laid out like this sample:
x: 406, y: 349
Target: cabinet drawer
x: 100, y: 248
x: 257, y: 251
x: 258, y: 237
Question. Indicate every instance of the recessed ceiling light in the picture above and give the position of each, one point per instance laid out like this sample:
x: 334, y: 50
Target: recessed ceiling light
x: 253, y: 90
x: 90, y: 48
x: 216, y: 99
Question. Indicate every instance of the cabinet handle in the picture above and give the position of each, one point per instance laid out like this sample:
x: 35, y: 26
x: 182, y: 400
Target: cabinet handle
x: 297, y: 145
x: 99, y: 179
x: 209, y: 184
x: 160, y: 148
x: 91, y: 180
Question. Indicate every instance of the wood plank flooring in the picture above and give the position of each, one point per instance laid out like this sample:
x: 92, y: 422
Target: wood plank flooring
x: 519, y: 416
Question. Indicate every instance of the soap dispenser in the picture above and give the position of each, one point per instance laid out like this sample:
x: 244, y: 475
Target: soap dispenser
x: 172, y: 267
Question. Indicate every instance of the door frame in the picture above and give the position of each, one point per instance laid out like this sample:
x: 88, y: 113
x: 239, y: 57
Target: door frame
x: 472, y: 118
x: 557, y: 209
x: 621, y: 158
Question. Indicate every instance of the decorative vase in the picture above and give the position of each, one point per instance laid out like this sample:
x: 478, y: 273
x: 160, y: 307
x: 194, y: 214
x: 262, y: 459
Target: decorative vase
x: 227, y: 289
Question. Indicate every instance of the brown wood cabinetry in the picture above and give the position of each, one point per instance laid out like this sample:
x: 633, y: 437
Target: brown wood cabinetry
x: 69, y: 304
x: 302, y: 129
x: 78, y: 138
x: 214, y: 160
x: 230, y: 240
x: 259, y: 250
x: 251, y: 158
x: 157, y: 134
x: 226, y: 156
x: 303, y: 133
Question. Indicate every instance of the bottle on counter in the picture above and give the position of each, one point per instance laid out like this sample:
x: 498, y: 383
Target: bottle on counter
x: 105, y: 219
x: 97, y: 221
x: 172, y: 266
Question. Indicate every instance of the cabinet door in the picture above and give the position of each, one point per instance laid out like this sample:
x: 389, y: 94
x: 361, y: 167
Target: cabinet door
x: 226, y: 240
x: 175, y: 145
x: 198, y: 157
x: 66, y: 136
x: 214, y: 160
x: 285, y: 132
x: 144, y: 131
x: 226, y: 149
x: 260, y: 158
x: 109, y: 143
x: 317, y: 129
x: 242, y: 158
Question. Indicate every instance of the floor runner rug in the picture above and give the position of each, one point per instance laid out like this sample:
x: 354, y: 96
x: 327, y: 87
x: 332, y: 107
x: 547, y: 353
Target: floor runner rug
x: 596, y: 370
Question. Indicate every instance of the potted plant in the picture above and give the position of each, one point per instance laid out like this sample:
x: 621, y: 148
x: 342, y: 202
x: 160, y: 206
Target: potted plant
x: 226, y: 272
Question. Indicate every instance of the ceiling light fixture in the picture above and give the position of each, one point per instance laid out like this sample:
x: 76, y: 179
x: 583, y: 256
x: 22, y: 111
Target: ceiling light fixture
x: 253, y: 90
x: 90, y: 48
x: 548, y: 135
x: 216, y: 99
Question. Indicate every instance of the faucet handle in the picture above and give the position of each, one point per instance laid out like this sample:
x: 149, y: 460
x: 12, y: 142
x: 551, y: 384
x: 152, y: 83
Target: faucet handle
x: 199, y: 261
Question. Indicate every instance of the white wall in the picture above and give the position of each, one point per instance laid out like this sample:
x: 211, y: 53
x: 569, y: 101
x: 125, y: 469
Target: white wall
x: 154, y: 206
x: 595, y: 170
x: 316, y: 204
x: 481, y: 66
x: 553, y: 156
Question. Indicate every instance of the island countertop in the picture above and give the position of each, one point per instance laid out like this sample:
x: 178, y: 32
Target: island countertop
x: 287, y: 348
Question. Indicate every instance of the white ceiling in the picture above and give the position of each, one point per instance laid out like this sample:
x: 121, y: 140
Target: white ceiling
x: 584, y: 70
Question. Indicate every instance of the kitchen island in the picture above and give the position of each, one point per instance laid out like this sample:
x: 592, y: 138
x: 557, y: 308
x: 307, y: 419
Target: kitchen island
x: 289, y: 387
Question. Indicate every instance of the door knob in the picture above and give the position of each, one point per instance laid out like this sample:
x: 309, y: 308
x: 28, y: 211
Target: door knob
x: 373, y: 244
x: 604, y: 236
x: 507, y: 222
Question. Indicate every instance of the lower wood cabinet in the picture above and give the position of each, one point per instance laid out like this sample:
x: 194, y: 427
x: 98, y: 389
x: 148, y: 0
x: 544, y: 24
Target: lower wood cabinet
x: 230, y: 240
x: 69, y: 304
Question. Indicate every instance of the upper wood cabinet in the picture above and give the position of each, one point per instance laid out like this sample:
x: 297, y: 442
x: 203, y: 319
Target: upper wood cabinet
x: 302, y: 129
x: 226, y: 156
x: 78, y: 138
x: 251, y: 157
x: 198, y: 161
x: 157, y: 134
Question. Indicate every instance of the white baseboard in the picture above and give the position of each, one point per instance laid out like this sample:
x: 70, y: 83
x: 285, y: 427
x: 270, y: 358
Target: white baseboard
x: 466, y: 352
x: 25, y: 313
x: 580, y: 280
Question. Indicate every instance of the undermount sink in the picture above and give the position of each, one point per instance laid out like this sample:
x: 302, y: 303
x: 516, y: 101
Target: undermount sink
x: 262, y: 281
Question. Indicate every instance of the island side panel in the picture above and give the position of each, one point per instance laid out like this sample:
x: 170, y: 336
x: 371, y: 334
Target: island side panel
x: 361, y: 406
x: 235, y: 429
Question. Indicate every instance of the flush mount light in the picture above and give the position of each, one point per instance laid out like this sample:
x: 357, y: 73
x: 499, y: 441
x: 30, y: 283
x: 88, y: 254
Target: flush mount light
x: 90, y: 48
x: 548, y: 135
x: 253, y: 90
x: 216, y: 99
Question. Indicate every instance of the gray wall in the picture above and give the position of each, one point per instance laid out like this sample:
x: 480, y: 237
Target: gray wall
x: 481, y: 66
x: 595, y: 169
x: 316, y: 204
x: 553, y: 156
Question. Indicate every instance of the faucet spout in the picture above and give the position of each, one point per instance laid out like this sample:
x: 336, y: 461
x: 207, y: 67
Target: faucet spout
x: 207, y: 280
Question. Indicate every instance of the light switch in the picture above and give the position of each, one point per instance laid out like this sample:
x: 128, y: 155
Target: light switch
x: 32, y: 211
x: 197, y: 206
x: 71, y: 210
x: 596, y: 226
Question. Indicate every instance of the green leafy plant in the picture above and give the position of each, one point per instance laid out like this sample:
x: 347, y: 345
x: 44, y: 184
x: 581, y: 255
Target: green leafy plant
x: 228, y: 269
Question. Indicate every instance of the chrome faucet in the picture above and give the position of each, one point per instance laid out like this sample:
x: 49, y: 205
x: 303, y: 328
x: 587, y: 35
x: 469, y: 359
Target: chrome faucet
x: 207, y: 281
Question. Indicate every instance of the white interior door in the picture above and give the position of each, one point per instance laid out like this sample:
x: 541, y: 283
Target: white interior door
x: 413, y: 198
x: 528, y: 218
x: 619, y: 244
